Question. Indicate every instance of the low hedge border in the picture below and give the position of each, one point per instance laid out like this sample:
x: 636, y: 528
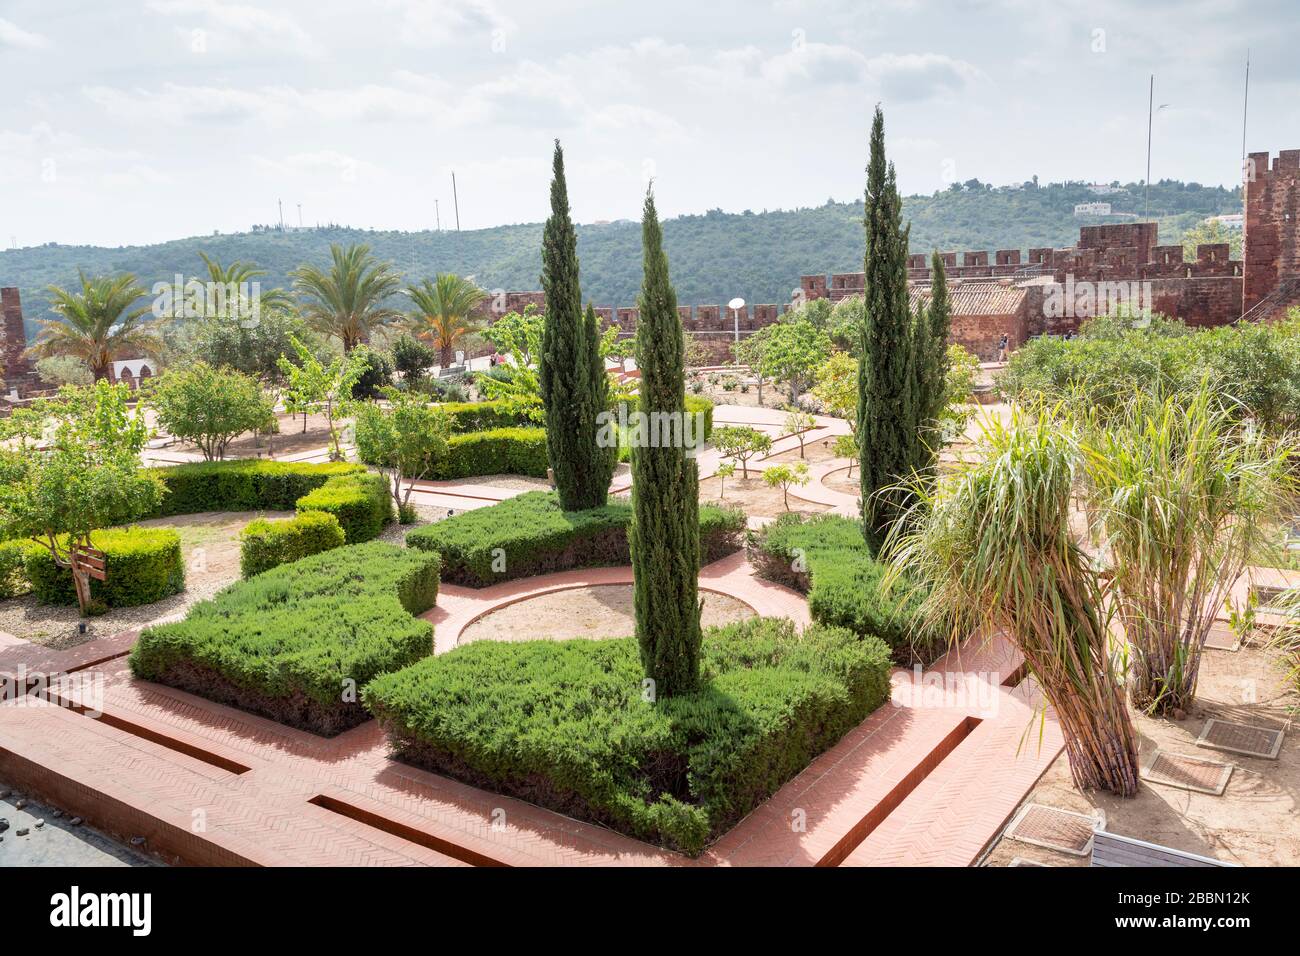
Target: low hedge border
x: 265, y: 544
x: 296, y: 643
x: 244, y: 485
x: 563, y: 724
x: 361, y: 502
x: 500, y: 451
x: 843, y: 581
x: 530, y: 534
x: 143, y: 565
x: 483, y: 416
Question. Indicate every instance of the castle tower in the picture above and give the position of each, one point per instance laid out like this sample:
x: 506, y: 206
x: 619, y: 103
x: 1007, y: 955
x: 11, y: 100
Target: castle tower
x: 1272, y: 239
x: 18, y: 373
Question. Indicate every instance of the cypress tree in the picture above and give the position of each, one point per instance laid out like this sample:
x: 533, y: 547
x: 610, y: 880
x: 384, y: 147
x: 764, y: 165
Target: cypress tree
x: 933, y: 326
x: 665, y: 534
x: 571, y: 373
x: 887, y: 400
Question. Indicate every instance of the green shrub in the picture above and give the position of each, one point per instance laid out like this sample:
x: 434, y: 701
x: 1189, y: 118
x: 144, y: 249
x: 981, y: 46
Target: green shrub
x: 361, y: 503
x: 267, y: 544
x: 500, y: 451
x: 13, y: 576
x: 530, y: 534
x: 293, y: 642
x: 564, y: 723
x: 248, y: 485
x: 483, y: 416
x: 827, y: 558
x: 696, y: 404
x: 142, y: 565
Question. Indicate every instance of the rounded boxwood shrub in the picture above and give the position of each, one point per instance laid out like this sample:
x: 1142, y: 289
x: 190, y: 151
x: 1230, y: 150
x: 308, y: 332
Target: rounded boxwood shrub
x: 264, y: 544
x: 143, y: 565
x: 360, y: 502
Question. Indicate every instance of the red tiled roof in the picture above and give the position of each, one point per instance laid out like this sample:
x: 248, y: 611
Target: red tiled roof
x: 975, y: 298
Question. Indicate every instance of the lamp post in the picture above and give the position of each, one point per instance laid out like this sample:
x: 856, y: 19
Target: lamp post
x: 735, y: 305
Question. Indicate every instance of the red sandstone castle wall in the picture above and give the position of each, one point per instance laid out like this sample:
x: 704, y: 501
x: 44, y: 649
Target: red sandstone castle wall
x: 1272, y: 247
x: 18, y: 371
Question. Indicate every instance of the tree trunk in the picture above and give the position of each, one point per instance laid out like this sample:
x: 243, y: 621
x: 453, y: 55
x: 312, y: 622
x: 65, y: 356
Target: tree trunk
x: 445, y: 357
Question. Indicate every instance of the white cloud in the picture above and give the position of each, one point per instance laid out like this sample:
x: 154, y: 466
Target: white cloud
x: 921, y: 76
x: 247, y: 24
x: 431, y: 23
x: 14, y: 37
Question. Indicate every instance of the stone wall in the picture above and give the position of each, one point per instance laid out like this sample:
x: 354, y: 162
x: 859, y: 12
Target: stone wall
x: 18, y: 370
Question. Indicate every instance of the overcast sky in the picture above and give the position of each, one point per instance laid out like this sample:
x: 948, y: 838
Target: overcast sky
x: 127, y: 121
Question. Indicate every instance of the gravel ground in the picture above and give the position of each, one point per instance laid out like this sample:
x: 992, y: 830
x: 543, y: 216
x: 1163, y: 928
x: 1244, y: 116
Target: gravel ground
x: 511, y: 482
x: 52, y: 839
x: 396, y: 533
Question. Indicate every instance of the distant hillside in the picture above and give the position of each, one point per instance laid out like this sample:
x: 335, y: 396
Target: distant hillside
x: 714, y: 256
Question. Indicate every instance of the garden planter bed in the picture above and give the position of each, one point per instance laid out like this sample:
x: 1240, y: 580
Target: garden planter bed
x: 529, y: 535
x: 564, y: 724
x: 298, y: 642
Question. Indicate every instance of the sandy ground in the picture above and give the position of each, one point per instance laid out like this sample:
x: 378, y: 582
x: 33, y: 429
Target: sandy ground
x: 813, y: 452
x: 512, y: 482
x: 290, y: 440
x: 593, y: 612
x: 57, y: 841
x: 774, y: 396
x: 1253, y: 823
x: 753, y: 497
x: 841, y: 482
x: 210, y: 548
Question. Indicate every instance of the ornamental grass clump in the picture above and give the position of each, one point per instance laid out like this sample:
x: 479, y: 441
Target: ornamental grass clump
x: 995, y: 546
x: 1179, y: 494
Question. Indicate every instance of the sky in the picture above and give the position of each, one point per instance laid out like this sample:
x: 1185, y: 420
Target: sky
x: 135, y: 121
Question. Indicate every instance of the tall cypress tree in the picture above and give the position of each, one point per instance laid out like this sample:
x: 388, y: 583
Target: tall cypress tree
x: 665, y: 533
x: 571, y: 373
x: 887, y: 399
x: 933, y: 325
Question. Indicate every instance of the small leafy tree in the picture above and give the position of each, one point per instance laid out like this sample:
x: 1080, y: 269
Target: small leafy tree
x: 846, y: 446
x: 86, y: 477
x: 316, y: 387
x: 405, y: 440
x: 741, y: 443
x: 412, y: 358
x: 792, y: 353
x: 837, y: 388
x: 749, y: 352
x: 725, y: 470
x: 209, y: 406
x: 518, y: 333
x: 798, y: 424
x: 785, y: 476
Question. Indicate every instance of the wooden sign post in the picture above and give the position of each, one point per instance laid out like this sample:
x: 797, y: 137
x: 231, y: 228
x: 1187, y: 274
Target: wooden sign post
x: 87, y: 563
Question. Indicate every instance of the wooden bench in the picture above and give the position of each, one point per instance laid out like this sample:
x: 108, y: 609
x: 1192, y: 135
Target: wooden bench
x: 1111, y: 849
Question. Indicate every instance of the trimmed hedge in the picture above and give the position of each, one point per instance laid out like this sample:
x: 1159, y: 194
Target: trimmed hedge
x: 246, y: 485
x: 696, y: 404
x: 292, y: 642
x: 13, y: 575
x: 563, y: 723
x: 361, y: 503
x: 843, y: 581
x: 483, y: 416
x: 143, y: 565
x: 501, y: 451
x: 265, y: 544
x: 533, y: 535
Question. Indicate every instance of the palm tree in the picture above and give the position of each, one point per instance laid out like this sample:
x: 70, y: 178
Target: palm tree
x: 238, y: 273
x: 444, y: 312
x: 97, y: 324
x: 347, y: 301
